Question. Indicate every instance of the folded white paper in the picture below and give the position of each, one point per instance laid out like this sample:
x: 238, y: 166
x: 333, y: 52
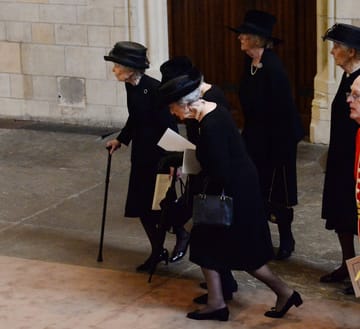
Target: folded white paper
x: 173, y: 142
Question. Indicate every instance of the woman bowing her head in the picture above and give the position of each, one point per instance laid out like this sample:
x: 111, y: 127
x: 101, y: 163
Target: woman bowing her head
x: 226, y: 166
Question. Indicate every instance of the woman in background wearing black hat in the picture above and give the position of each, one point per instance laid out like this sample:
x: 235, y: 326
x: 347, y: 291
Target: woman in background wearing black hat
x: 246, y: 244
x: 272, y: 125
x: 339, y: 204
x: 145, y: 125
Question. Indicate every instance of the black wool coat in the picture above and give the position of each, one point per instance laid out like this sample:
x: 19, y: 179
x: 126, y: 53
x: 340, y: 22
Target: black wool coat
x: 246, y: 244
x: 146, y: 123
x: 339, y: 204
x: 272, y: 125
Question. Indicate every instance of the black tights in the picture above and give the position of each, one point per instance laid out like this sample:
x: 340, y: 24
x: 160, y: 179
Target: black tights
x: 347, y: 248
x: 156, y: 237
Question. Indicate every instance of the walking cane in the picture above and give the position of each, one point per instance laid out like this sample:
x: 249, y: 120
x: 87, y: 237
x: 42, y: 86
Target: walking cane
x: 100, y: 256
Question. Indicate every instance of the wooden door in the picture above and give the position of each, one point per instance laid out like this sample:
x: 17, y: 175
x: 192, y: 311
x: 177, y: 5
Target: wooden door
x: 198, y: 29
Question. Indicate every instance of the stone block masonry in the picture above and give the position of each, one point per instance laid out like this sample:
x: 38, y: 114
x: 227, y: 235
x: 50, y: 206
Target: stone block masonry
x: 51, y: 63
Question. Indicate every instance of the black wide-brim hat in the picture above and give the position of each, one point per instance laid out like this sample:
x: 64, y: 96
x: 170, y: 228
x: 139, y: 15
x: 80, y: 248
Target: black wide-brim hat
x: 346, y: 34
x: 259, y: 23
x: 172, y: 90
x: 179, y: 65
x: 129, y: 54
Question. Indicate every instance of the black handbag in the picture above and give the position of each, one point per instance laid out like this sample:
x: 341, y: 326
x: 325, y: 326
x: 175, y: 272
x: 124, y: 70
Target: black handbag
x: 215, y: 210
x: 275, y: 211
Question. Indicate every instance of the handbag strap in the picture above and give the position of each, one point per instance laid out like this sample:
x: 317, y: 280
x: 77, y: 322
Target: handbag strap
x: 206, y: 183
x: 285, y: 185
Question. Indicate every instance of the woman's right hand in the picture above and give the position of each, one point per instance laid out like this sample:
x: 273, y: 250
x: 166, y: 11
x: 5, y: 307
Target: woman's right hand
x: 113, y: 145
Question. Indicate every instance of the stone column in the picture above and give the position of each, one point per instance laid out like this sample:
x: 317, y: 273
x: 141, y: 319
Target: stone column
x: 152, y: 31
x: 328, y: 74
x: 325, y: 79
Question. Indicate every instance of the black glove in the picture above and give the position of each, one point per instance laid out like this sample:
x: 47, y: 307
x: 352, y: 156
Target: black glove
x: 171, y: 159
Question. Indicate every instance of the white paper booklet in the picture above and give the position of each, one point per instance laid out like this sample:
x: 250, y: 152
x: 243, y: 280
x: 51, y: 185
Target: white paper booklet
x: 353, y: 266
x: 173, y: 142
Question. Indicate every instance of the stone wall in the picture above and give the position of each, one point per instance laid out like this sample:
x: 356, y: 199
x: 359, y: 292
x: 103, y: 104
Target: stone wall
x: 51, y: 63
x: 52, y: 67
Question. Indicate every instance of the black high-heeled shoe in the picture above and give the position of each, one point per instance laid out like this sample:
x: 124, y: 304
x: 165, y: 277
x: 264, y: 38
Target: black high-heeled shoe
x: 221, y: 314
x: 153, y: 260
x: 180, y: 248
x: 337, y: 275
x: 294, y: 299
x: 349, y: 290
x: 285, y: 252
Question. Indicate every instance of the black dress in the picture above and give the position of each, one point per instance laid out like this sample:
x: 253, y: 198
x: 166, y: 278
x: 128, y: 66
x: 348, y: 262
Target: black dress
x: 339, y: 204
x: 272, y: 127
x: 144, y: 127
x: 246, y: 245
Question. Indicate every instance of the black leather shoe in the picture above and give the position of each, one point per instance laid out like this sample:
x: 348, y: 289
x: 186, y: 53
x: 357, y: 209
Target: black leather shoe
x: 149, y: 263
x: 294, y: 299
x: 283, y: 254
x: 145, y: 267
x: 202, y: 299
x: 335, y: 276
x: 349, y: 290
x: 203, y: 285
x: 177, y: 255
x: 221, y: 314
x: 180, y: 248
x: 285, y: 250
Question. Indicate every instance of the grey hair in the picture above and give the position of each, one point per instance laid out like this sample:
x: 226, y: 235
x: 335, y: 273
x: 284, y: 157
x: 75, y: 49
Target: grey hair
x: 345, y: 47
x: 138, y: 72
x: 357, y: 54
x: 190, y: 98
x: 261, y: 42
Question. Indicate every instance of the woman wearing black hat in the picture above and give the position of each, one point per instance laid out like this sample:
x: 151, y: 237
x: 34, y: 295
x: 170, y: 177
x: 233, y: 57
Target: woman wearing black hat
x: 246, y: 244
x: 145, y: 125
x: 171, y: 69
x: 339, y: 204
x: 272, y: 125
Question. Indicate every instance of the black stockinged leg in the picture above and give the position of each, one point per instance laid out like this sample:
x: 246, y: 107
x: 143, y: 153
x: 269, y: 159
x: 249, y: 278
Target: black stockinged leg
x: 161, y: 253
x: 108, y: 167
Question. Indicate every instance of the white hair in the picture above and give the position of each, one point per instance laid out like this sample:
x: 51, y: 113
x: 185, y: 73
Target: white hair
x: 190, y: 98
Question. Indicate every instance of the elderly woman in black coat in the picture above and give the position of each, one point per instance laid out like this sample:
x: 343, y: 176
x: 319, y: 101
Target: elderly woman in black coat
x: 272, y: 126
x: 246, y: 244
x: 146, y: 123
x: 339, y: 206
x: 171, y: 69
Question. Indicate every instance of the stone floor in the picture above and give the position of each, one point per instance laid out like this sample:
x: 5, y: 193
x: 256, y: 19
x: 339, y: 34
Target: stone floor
x: 52, y: 189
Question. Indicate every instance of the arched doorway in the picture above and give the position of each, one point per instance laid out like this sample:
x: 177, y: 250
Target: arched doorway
x: 198, y: 29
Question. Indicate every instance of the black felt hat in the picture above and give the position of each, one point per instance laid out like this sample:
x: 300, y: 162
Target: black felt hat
x: 258, y: 23
x: 175, y: 67
x: 129, y: 54
x: 172, y: 90
x: 348, y: 35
